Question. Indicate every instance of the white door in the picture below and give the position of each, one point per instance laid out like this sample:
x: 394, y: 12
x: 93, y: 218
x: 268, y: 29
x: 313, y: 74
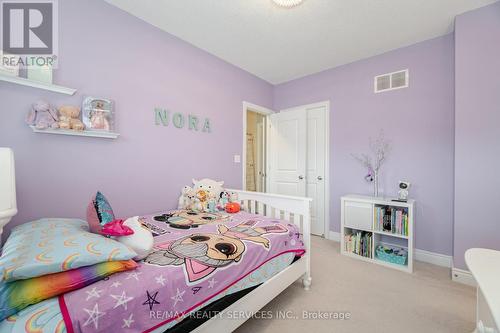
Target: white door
x: 316, y: 166
x: 287, y: 162
x: 297, y: 154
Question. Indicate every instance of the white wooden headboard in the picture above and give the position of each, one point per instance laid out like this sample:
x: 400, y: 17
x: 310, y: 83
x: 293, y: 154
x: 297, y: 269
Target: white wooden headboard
x: 8, y: 206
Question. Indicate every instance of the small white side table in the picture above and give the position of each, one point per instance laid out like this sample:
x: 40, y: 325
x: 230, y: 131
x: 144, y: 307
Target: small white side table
x: 484, y: 265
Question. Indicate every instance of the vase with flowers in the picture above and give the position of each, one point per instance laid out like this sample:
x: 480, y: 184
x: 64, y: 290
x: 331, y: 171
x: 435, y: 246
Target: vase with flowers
x: 379, y: 148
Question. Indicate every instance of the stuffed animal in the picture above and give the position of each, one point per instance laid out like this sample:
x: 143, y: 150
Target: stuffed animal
x: 184, y: 199
x: 68, y: 118
x: 200, y: 201
x: 233, y: 207
x: 42, y: 116
x: 212, y: 203
x: 233, y: 197
x: 223, y: 200
x: 208, y: 185
x: 141, y: 241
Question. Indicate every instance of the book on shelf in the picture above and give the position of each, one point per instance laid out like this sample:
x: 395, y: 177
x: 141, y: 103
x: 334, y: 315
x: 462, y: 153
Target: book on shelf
x: 360, y: 243
x: 391, y: 219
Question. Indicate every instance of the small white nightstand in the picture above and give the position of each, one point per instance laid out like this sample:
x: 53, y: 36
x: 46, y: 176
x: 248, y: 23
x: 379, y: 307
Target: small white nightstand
x: 364, y: 215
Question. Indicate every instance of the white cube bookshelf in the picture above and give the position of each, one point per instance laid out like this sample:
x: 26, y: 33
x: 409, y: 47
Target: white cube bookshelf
x: 358, y: 213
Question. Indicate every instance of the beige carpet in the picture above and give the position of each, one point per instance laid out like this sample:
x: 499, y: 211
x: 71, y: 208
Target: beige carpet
x: 378, y: 299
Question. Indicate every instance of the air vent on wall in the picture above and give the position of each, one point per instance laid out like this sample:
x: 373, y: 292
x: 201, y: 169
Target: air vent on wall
x: 391, y: 81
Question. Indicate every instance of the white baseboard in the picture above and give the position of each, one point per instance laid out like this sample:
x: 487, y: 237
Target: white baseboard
x: 434, y: 258
x: 334, y: 236
x: 462, y: 276
x: 420, y: 255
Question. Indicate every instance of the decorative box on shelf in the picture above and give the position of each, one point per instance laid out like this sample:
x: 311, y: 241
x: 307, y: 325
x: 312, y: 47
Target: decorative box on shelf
x: 378, y: 230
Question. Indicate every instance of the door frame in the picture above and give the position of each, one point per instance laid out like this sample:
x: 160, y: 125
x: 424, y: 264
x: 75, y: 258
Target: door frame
x: 326, y: 105
x: 247, y: 106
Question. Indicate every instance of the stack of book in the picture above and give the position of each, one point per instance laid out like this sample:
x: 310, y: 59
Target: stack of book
x: 360, y: 243
x: 391, y: 219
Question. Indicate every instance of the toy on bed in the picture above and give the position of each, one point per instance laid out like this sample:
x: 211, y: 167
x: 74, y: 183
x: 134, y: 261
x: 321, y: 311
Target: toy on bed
x: 206, y: 195
x: 186, y: 197
x: 141, y: 241
x: 130, y: 232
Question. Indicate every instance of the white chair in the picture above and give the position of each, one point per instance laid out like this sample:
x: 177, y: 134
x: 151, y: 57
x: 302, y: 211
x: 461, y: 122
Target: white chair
x: 8, y: 207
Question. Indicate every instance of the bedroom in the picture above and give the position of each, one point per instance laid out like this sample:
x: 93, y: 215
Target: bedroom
x: 214, y: 61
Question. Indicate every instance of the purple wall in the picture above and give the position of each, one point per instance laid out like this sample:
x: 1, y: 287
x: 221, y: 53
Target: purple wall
x: 419, y: 121
x: 477, y: 133
x: 106, y: 52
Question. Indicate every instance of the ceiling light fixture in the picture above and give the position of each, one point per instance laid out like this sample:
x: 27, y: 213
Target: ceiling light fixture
x: 287, y: 3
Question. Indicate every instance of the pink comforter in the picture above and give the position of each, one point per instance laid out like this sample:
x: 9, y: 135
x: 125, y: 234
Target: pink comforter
x: 187, y: 268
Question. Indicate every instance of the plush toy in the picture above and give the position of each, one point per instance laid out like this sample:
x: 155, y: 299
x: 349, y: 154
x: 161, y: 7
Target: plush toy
x: 42, y: 116
x: 208, y: 185
x: 233, y: 207
x: 200, y: 201
x: 212, y: 203
x: 141, y: 241
x: 116, y: 228
x: 68, y: 118
x: 185, y: 199
x: 223, y: 200
x: 233, y: 197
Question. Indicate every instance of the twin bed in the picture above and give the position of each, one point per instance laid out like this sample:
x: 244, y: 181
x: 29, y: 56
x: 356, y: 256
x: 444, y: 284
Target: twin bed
x: 239, y: 265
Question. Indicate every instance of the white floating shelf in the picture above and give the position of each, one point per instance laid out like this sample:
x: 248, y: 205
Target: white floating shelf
x: 35, y: 84
x: 93, y: 134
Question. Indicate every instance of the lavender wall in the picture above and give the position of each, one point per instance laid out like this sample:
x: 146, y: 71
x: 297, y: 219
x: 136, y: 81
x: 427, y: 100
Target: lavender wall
x: 419, y: 121
x: 108, y: 53
x: 477, y: 149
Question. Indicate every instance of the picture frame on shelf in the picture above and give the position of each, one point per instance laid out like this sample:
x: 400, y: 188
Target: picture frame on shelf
x: 98, y: 114
x: 39, y: 73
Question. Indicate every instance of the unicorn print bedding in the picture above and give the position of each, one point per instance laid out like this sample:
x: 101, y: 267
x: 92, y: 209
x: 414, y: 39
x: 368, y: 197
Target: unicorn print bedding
x: 189, y: 268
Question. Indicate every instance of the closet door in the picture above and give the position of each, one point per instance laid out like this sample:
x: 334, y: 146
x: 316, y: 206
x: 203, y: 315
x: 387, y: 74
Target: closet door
x: 316, y: 166
x: 287, y: 153
x: 298, y: 157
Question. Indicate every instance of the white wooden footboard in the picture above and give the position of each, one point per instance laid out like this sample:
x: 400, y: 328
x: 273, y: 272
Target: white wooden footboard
x: 291, y: 209
x: 295, y: 210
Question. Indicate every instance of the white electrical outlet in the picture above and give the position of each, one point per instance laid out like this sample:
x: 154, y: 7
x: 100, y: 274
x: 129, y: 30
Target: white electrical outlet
x: 237, y: 159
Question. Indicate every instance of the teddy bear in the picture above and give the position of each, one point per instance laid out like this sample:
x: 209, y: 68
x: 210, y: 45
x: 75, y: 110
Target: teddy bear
x: 68, y: 118
x: 42, y: 115
x: 185, y: 199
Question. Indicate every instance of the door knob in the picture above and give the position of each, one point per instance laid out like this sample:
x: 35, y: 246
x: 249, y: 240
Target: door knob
x: 301, y: 177
x: 320, y: 178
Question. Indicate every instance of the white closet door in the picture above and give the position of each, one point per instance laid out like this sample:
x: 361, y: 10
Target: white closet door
x: 298, y: 158
x: 316, y: 166
x: 288, y: 144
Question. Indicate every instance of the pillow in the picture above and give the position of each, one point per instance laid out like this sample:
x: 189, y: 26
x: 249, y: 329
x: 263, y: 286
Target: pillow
x: 17, y: 295
x: 99, y: 212
x: 50, y: 246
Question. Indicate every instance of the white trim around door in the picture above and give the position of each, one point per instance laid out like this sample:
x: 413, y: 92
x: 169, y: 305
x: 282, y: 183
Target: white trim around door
x: 254, y: 108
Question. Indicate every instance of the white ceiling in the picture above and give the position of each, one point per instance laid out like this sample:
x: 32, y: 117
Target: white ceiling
x: 279, y: 45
